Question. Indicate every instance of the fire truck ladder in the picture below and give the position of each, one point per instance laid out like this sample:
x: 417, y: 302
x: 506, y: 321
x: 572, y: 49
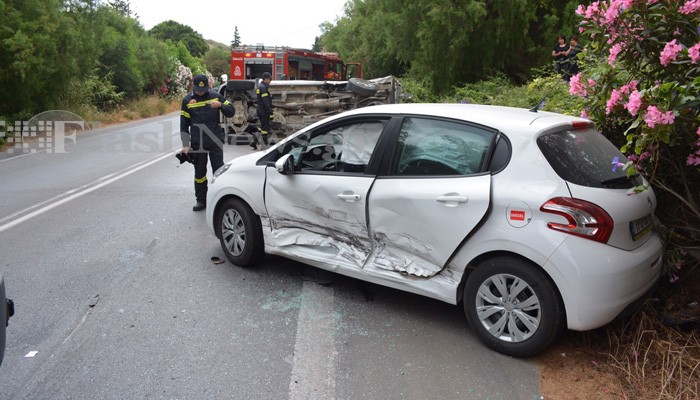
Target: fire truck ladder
x: 278, y: 68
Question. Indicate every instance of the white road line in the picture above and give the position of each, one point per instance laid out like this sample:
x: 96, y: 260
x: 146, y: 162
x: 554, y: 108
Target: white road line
x: 83, y: 190
x: 313, y: 367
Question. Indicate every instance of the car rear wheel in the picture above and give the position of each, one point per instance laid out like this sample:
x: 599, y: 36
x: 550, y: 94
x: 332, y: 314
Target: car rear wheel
x: 241, y: 233
x: 513, y: 307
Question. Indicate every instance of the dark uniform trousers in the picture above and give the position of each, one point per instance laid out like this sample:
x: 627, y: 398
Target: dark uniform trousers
x: 264, y: 111
x: 199, y: 154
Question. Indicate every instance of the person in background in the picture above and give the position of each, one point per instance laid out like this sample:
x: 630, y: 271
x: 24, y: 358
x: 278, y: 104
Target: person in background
x: 572, y: 57
x: 559, y: 55
x: 201, y: 133
x: 264, y: 110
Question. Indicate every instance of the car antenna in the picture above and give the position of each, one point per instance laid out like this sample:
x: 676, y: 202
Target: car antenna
x: 541, y: 102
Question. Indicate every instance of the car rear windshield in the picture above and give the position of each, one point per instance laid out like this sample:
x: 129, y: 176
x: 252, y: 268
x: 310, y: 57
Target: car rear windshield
x: 585, y: 157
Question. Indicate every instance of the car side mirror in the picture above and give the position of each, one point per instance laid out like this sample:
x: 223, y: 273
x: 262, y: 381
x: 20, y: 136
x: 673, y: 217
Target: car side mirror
x: 285, y: 165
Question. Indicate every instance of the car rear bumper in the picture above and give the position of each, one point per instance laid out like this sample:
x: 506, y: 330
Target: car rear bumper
x: 598, y: 282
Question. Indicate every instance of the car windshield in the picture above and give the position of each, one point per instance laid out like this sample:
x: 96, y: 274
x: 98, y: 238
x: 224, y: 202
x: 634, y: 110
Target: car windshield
x: 585, y: 157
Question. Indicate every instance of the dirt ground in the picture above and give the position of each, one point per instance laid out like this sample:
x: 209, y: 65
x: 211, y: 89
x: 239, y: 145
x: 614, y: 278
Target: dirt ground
x: 569, y: 372
x: 580, y: 366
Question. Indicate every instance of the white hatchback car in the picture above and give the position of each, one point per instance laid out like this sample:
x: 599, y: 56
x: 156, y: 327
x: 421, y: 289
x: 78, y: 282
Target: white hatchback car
x: 522, y: 216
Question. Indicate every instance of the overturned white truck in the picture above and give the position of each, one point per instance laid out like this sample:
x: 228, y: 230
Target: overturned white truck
x: 299, y: 103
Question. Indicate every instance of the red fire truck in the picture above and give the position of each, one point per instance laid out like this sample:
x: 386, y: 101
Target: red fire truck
x: 284, y: 63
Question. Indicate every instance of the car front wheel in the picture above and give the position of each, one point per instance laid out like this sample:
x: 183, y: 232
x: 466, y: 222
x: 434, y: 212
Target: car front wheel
x: 513, y: 307
x: 241, y: 233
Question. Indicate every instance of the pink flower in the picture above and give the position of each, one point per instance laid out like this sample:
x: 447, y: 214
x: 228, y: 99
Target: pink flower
x: 634, y: 103
x: 694, y: 53
x: 576, y: 87
x: 615, y: 98
x: 612, y: 12
x: 614, y: 51
x: 690, y: 7
x: 584, y: 114
x: 693, y: 159
x: 581, y: 10
x: 667, y: 118
x: 670, y: 52
x: 625, y: 89
x: 652, y: 116
x: 655, y: 116
x: 593, y: 9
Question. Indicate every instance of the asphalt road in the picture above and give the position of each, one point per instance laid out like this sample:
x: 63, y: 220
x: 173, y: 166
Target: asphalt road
x: 117, y: 296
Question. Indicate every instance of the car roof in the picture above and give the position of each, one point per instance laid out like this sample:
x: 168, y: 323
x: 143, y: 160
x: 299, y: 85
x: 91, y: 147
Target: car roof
x: 505, y: 119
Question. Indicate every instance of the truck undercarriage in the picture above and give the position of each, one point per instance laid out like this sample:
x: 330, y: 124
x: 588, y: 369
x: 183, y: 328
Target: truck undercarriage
x: 301, y: 103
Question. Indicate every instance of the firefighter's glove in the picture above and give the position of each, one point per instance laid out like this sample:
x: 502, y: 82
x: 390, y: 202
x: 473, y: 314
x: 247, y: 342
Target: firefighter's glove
x: 184, y: 158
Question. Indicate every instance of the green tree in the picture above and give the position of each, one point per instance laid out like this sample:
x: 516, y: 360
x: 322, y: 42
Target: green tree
x: 177, y: 32
x: 123, y: 8
x: 119, y: 52
x: 236, y: 38
x: 317, y: 44
x: 155, y: 63
x: 43, y: 45
x: 448, y: 42
x: 182, y: 54
x: 218, y: 61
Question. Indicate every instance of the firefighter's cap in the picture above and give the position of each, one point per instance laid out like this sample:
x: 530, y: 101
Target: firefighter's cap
x: 201, y: 83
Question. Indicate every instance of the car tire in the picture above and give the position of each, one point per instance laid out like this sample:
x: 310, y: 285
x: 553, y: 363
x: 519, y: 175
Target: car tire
x: 521, y: 326
x: 241, y: 233
x: 362, y: 87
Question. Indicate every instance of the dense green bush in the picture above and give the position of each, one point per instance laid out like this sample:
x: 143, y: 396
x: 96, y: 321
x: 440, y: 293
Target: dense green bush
x: 85, y: 55
x: 547, y: 91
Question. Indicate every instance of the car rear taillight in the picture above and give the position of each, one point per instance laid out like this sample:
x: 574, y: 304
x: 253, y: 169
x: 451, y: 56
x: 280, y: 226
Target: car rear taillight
x: 585, y: 219
x: 581, y: 124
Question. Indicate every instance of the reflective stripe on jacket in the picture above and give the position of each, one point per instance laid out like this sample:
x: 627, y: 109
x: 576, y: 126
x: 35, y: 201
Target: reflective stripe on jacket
x: 200, y: 122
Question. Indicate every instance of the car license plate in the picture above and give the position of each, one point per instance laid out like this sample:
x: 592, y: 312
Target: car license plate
x: 640, y: 227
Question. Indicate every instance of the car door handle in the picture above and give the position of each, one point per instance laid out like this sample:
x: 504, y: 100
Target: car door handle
x: 349, y: 196
x: 452, y: 198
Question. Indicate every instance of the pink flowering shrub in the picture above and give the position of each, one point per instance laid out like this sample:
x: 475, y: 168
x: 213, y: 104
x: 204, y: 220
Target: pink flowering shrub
x: 694, y: 53
x: 644, y: 58
x: 670, y: 52
x: 690, y: 7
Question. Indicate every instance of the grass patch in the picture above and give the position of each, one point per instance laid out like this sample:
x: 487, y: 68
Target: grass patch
x: 144, y: 107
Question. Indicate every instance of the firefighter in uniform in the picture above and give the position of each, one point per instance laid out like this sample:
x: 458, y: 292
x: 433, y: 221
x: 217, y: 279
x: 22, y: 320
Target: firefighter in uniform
x: 201, y: 133
x: 264, y: 109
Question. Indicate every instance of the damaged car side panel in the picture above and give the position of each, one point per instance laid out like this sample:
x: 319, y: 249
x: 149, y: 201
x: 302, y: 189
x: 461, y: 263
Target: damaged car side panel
x: 416, y: 227
x: 326, y: 216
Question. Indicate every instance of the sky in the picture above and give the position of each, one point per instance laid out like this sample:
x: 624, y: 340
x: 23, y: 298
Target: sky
x: 279, y: 23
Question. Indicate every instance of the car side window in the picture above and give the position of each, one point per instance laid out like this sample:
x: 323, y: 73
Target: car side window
x: 345, y: 148
x: 429, y: 147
